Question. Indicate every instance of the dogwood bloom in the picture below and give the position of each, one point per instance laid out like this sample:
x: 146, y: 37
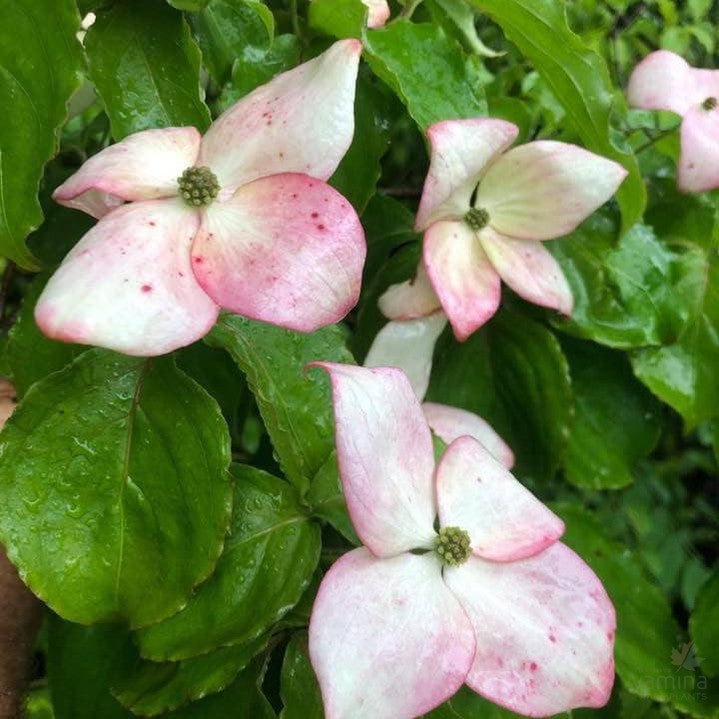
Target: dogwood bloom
x: 484, y: 212
x: 665, y: 81
x: 240, y: 218
x: 492, y: 600
x: 407, y: 342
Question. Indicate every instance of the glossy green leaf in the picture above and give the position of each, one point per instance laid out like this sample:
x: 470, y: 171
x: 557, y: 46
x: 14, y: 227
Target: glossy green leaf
x: 146, y: 67
x: 631, y: 292
x: 650, y: 650
x: 513, y: 373
x: 40, y: 66
x: 153, y: 688
x: 267, y: 564
x: 258, y: 66
x: 328, y: 501
x: 357, y: 175
x: 228, y: 30
x: 337, y: 18
x: 30, y: 355
x: 84, y: 662
x: 113, y: 476
x: 683, y: 374
x: 299, y: 688
x: 429, y: 71
x: 616, y: 419
x: 577, y: 76
x: 295, y: 404
x: 704, y: 625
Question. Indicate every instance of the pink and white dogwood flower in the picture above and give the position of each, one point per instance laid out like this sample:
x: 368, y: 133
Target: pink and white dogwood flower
x: 240, y: 218
x: 665, y: 81
x: 493, y: 600
x: 407, y: 342
x: 485, y: 210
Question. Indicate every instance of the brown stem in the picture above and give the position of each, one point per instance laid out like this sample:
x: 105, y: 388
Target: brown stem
x: 20, y: 612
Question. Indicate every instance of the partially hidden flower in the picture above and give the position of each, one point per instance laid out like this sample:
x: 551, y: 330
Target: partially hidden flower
x: 492, y: 599
x: 665, y: 81
x: 378, y: 12
x: 407, y: 342
x: 241, y: 218
x: 485, y: 210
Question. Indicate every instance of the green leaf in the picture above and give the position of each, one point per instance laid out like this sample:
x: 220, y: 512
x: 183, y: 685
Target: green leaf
x: 577, y: 76
x: 258, y: 66
x: 114, y: 483
x: 465, y: 704
x: 337, y: 18
x: 152, y: 688
x: 214, y: 369
x: 513, y: 373
x: 296, y: 406
x: 299, y: 688
x: 429, y: 72
x: 146, y: 68
x: 84, y: 662
x: 393, y: 253
x: 357, y: 175
x: 636, y: 292
x: 683, y: 374
x: 30, y: 355
x: 231, y: 29
x: 461, y: 19
x: 38, y: 705
x: 81, y: 664
x: 649, y: 644
x: 189, y: 5
x: 267, y: 564
x: 40, y: 68
x: 63, y: 226
x: 328, y: 501
x: 616, y: 419
x: 704, y: 625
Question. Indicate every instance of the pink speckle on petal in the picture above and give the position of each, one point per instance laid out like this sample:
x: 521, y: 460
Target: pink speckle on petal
x: 147, y: 288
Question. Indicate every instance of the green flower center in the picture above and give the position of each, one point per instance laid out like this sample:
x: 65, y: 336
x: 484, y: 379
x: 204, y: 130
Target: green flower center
x: 453, y: 546
x: 198, y: 186
x: 477, y: 218
x: 710, y: 103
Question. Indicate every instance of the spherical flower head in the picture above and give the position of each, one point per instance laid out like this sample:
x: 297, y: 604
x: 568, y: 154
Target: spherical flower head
x: 241, y: 219
x: 665, y: 81
x: 453, y: 546
x: 486, y: 209
x: 492, y: 600
x: 198, y: 186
